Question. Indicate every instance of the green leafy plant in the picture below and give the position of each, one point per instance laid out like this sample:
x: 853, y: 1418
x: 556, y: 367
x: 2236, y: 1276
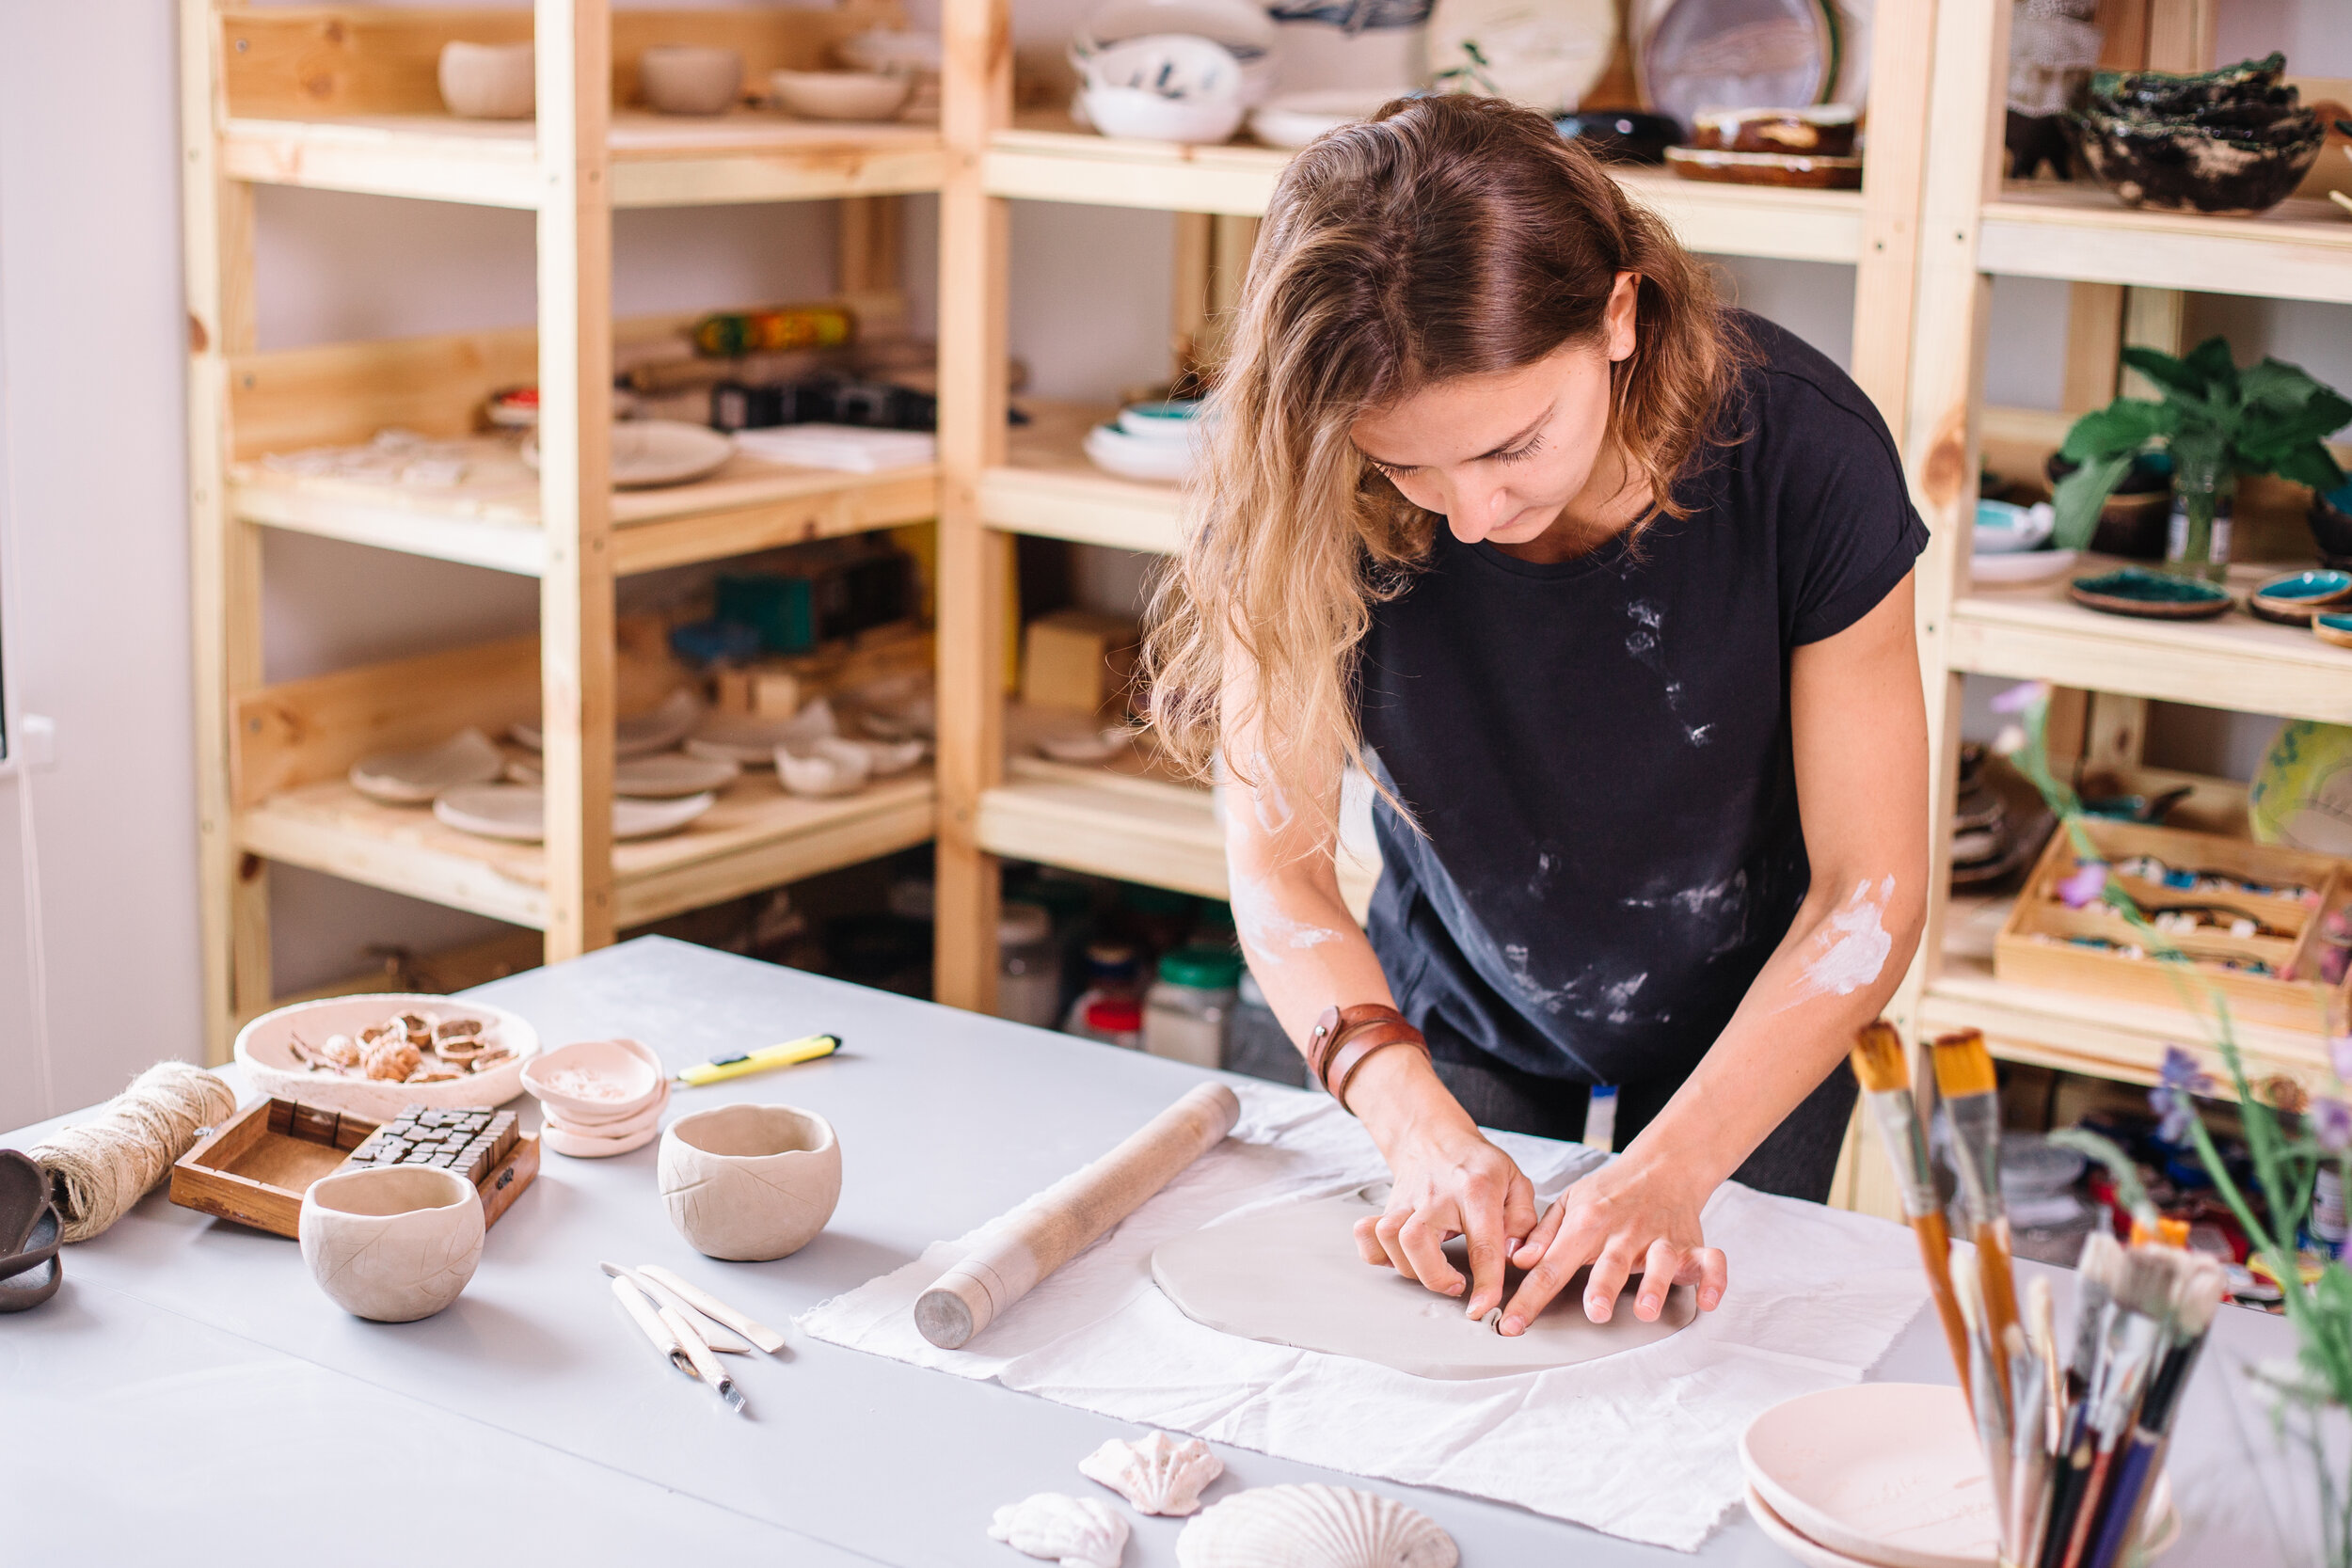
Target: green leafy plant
x: 2217, y: 419
x: 2290, y: 1136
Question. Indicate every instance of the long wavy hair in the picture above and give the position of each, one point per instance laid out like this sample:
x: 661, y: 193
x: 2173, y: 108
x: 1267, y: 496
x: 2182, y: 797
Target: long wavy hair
x: 1444, y: 237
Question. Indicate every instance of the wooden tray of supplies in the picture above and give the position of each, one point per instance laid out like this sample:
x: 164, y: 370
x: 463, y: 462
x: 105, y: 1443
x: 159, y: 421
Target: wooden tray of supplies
x: 255, y: 1168
x: 2049, y: 947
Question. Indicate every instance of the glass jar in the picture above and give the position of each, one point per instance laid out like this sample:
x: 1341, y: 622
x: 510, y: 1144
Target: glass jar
x: 1186, y: 1012
x: 1112, y: 1020
x: 1028, y: 966
x: 1111, y: 970
x: 2205, y: 496
x: 1255, y: 1042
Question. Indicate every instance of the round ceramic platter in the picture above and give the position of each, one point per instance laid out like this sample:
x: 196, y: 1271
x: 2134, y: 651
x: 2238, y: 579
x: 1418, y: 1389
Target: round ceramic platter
x: 1694, y: 55
x: 1884, y: 1475
x: 518, y: 812
x: 664, y: 776
x: 1545, y: 54
x: 2148, y: 596
x: 649, y: 453
x: 265, y: 1050
x: 1138, y: 456
x: 2333, y: 629
x: 414, y: 777
x: 2294, y: 597
x: 639, y: 733
x: 746, y: 741
x: 1294, y: 118
x: 2024, y: 566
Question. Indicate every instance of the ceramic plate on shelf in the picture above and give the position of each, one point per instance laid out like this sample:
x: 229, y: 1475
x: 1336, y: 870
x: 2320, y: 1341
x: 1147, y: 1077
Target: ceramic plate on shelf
x: 1294, y: 118
x: 650, y: 454
x: 2025, y: 566
x: 639, y: 733
x: 1142, y: 458
x: 414, y: 777
x: 665, y: 776
x: 2329, y: 627
x: 2294, y: 597
x: 751, y: 741
x: 1789, y: 171
x: 2148, y: 596
x: 1545, y: 54
x: 1694, y: 55
x: 518, y: 812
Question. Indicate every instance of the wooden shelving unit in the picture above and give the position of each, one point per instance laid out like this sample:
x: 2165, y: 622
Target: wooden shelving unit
x: 343, y: 98
x: 1034, y: 480
x: 2126, y: 266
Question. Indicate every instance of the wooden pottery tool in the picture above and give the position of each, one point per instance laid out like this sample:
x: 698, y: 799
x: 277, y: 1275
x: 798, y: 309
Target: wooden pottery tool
x: 256, y: 1166
x: 719, y: 1311
x: 790, y: 1054
x: 1059, y: 1223
x: 1971, y: 1094
x: 718, y: 1335
x: 706, y: 1364
x: 648, y: 1316
x: 1879, y: 1063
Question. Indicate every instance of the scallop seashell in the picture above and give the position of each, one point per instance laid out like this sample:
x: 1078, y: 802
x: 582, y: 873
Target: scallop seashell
x: 889, y: 756
x: 826, y: 765
x: 1158, y: 1473
x: 1313, y: 1526
x: 1077, y: 1532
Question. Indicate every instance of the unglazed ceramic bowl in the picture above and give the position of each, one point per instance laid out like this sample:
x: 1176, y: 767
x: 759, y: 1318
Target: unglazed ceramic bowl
x: 591, y: 1081
x: 394, y: 1244
x: 750, y: 1183
x: 866, y: 95
x: 689, y: 79
x: 489, y: 81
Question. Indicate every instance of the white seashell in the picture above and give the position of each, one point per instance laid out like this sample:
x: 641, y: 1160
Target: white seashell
x: 889, y: 757
x: 1159, y: 1474
x: 1077, y: 1532
x: 824, y: 765
x: 1313, y: 1526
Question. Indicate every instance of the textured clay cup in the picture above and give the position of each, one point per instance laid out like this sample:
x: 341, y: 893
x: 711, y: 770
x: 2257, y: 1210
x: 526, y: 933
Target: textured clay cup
x: 394, y: 1244
x: 689, y: 79
x: 750, y: 1183
x: 487, y: 80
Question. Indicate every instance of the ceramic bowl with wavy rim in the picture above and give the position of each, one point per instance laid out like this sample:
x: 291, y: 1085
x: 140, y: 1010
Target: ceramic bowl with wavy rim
x: 750, y: 1183
x: 594, y: 1081
x: 487, y: 80
x: 265, y: 1050
x: 1244, y: 30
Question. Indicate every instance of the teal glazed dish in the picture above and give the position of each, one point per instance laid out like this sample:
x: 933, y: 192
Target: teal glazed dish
x: 2293, y: 598
x: 2148, y: 596
x: 2332, y: 627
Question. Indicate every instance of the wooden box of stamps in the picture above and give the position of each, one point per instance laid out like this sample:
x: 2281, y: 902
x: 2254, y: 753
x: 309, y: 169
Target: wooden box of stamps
x: 2250, y: 920
x: 255, y: 1168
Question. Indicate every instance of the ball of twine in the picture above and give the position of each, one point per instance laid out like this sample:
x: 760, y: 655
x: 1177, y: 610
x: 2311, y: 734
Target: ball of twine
x: 99, y: 1168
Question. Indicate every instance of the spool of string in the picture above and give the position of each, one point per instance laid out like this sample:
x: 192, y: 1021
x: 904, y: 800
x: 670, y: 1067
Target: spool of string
x: 98, y: 1168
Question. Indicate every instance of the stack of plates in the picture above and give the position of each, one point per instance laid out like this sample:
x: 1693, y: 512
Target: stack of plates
x: 1885, y: 1475
x: 1151, y: 441
x: 598, y: 1096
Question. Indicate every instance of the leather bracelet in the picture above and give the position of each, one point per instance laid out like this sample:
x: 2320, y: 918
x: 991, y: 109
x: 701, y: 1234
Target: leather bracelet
x: 1345, y: 1037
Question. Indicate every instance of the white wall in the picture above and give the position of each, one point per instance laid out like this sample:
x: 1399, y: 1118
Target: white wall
x: 98, y: 944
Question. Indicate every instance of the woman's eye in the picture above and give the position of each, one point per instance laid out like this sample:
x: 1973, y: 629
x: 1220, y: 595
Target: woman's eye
x: 1515, y: 453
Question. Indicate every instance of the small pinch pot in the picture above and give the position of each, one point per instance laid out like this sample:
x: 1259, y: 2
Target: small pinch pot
x: 850, y: 95
x: 689, y: 79
x: 394, y: 1244
x: 589, y: 1083
x: 749, y: 1183
x: 489, y: 81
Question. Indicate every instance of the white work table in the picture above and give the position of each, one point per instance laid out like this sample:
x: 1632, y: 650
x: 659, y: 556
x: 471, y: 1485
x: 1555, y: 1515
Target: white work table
x: 190, y: 1396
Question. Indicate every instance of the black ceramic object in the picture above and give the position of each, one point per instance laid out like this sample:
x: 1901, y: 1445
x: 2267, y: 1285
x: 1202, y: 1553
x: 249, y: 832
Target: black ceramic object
x: 2230, y: 143
x: 23, y: 1193
x: 2330, y: 519
x: 2134, y: 521
x: 2148, y: 596
x: 31, y: 1271
x: 1621, y: 136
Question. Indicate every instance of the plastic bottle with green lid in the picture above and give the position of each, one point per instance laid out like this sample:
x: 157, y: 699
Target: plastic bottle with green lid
x: 1189, y: 1007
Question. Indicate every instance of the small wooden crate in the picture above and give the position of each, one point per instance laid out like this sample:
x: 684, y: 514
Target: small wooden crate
x: 2036, y: 948
x: 255, y: 1168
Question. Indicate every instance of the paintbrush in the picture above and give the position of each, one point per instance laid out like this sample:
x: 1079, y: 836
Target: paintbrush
x: 2196, y: 1296
x: 1981, y: 1380
x: 2095, y: 1274
x: 2042, y: 1320
x: 1879, y: 1064
x: 2029, y: 1450
x: 2143, y: 1301
x: 1971, y: 1094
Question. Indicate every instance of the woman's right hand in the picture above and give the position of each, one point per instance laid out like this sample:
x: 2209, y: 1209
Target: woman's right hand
x: 1447, y: 1181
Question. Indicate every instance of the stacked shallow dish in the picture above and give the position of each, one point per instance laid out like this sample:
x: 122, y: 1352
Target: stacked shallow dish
x: 1149, y: 440
x: 599, y: 1098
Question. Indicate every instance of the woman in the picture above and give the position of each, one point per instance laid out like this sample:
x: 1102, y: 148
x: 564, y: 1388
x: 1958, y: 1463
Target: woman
x: 1609, y: 588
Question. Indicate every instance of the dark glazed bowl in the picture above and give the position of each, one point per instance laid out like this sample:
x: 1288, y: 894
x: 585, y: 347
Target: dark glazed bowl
x: 2190, y: 169
x: 23, y: 1197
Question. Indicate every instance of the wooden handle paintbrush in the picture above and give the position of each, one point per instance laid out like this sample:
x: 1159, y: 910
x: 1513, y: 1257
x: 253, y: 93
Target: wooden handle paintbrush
x: 1878, y: 1063
x: 1971, y: 1094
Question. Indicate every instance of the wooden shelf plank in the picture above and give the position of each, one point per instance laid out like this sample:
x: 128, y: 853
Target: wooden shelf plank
x: 2302, y: 249
x: 657, y: 160
x: 756, y: 836
x: 492, y: 518
x: 1046, y: 158
x: 1049, y: 488
x: 2234, y: 661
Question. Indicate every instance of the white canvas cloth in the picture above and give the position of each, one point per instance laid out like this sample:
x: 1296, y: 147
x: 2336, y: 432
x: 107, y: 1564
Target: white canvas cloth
x: 1643, y: 1443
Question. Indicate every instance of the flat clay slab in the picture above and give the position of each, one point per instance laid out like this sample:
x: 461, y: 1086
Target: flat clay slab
x: 1291, y: 1275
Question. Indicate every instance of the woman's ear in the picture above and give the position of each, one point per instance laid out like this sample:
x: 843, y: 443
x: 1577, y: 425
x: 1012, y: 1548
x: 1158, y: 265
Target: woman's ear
x: 1618, y: 317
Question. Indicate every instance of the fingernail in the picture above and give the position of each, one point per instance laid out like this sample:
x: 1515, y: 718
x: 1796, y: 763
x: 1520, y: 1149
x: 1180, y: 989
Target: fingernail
x: 1513, y: 1325
x: 1708, y: 1300
x: 1596, y: 1309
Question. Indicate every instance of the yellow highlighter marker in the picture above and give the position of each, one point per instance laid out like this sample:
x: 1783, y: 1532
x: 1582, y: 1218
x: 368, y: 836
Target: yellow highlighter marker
x: 722, y: 1067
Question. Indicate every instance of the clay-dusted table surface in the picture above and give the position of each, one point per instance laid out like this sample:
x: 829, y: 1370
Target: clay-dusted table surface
x: 191, y: 1397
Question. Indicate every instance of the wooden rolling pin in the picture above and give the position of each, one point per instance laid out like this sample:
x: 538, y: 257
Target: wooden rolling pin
x: 1061, y: 1221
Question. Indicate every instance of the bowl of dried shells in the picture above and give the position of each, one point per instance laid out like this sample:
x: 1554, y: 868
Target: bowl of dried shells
x: 376, y: 1055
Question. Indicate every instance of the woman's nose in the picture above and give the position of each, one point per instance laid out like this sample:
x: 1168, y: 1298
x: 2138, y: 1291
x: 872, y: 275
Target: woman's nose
x: 1479, y: 510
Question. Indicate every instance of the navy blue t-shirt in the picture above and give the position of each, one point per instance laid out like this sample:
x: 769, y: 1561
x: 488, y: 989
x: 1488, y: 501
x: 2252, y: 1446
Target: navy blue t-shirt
x: 1598, y: 750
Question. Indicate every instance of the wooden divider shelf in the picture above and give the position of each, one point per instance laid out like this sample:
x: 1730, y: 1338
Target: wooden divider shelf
x: 2302, y: 249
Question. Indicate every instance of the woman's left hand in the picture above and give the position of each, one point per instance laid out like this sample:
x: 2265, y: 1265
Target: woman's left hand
x: 1631, y: 1214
